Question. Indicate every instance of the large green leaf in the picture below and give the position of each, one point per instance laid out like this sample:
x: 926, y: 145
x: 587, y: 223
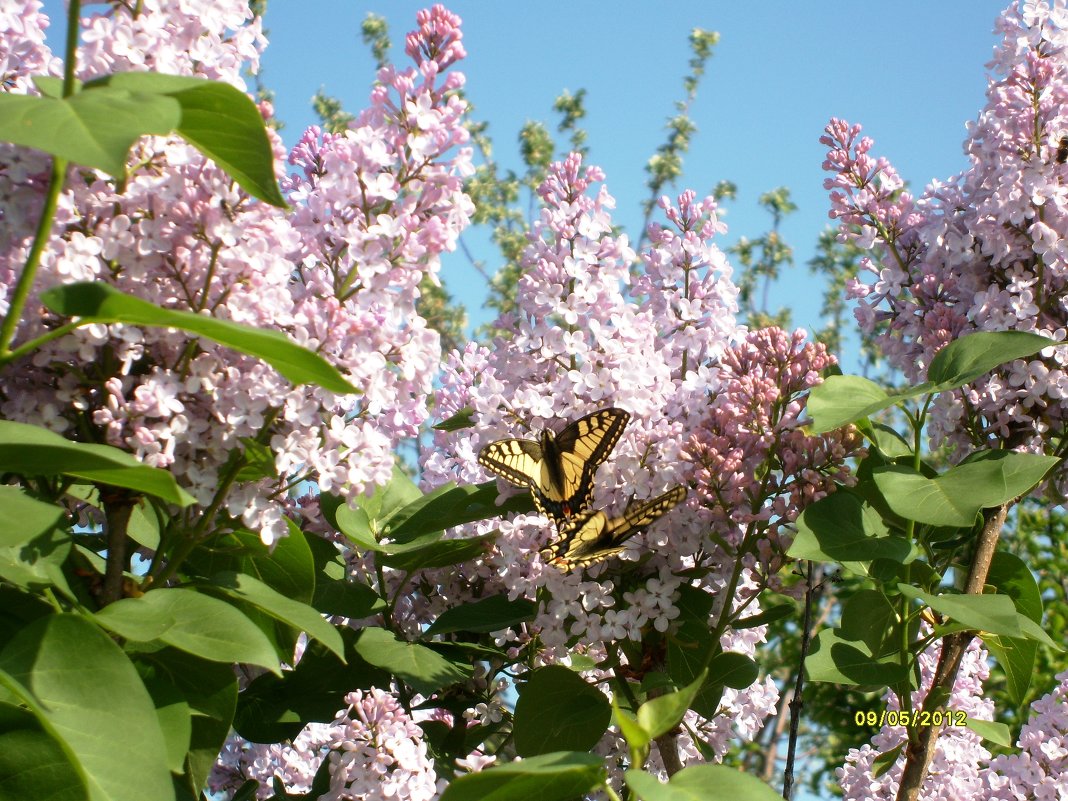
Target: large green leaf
x: 955, y: 497
x: 841, y: 399
x: 218, y: 119
x: 1016, y: 655
x: 992, y: 613
x: 450, y: 506
x: 836, y: 659
x: 484, y: 615
x: 557, y: 709
x: 964, y: 360
x: 210, y: 692
x: 423, y: 668
x: 23, y: 518
x: 94, y: 129
x: 38, y: 563
x: 841, y: 528
x: 101, y: 303
x: 559, y: 776
x: 193, y: 622
x: 701, y: 783
x: 419, y: 555
x: 32, y: 763
x: 301, y: 617
x: 36, y: 451
x: 88, y: 696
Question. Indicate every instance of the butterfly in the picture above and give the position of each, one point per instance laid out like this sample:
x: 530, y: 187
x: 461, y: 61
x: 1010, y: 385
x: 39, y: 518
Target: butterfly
x: 558, y: 468
x: 593, y: 535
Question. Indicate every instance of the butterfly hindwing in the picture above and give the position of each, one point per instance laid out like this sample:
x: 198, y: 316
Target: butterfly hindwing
x: 593, y: 536
x: 560, y: 468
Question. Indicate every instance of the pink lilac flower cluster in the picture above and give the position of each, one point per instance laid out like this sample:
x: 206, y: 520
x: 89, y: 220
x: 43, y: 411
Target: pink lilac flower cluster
x: 375, y: 750
x: 962, y: 767
x: 1039, y: 770
x: 593, y: 329
x: 983, y: 251
x: 955, y: 770
x: 375, y: 206
x: 754, y: 428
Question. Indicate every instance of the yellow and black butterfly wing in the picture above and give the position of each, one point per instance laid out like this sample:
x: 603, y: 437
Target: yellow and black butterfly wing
x: 593, y: 536
x: 570, y: 461
x: 517, y: 460
x: 521, y: 462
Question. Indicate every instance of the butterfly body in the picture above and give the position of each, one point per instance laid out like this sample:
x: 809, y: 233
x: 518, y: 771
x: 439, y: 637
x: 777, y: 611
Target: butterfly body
x: 593, y: 536
x: 559, y: 468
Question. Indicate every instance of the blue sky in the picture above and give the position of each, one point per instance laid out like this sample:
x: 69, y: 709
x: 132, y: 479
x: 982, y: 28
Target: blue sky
x: 912, y: 73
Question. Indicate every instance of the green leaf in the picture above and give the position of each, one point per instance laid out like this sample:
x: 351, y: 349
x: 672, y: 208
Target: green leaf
x: 561, y: 776
x: 449, y: 506
x: 276, y: 708
x: 836, y: 659
x: 991, y: 613
x: 38, y: 563
x: 95, y: 129
x: 96, y: 302
x: 701, y: 783
x: 964, y: 360
x: 419, y: 555
x: 693, y: 645
x: 86, y: 694
x: 886, y: 760
x: 462, y: 419
x: 956, y: 497
x: 288, y: 568
x: 300, y: 616
x: 733, y: 670
x: 634, y: 733
x: 210, y: 691
x: 842, y: 528
x: 421, y: 667
x: 219, y: 120
x: 842, y: 399
x: 769, y: 615
x: 1011, y: 576
x: 335, y: 593
x: 485, y: 615
x: 192, y: 622
x: 557, y: 709
x: 32, y: 763
x: 23, y: 518
x: 869, y: 617
x: 661, y: 714
x: 175, y: 718
x: 35, y: 451
x: 991, y: 731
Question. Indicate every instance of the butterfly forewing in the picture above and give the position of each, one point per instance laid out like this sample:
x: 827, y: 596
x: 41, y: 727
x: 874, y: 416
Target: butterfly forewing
x: 559, y: 469
x: 592, y: 536
x: 517, y: 460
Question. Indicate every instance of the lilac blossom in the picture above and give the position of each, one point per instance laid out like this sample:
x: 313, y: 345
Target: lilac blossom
x: 982, y: 251
x: 959, y: 754
x: 374, y: 209
x: 375, y: 750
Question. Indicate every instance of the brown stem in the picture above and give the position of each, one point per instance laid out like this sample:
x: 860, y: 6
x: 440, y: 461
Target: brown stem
x: 812, y: 597
x: 118, y: 506
x: 922, y: 742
